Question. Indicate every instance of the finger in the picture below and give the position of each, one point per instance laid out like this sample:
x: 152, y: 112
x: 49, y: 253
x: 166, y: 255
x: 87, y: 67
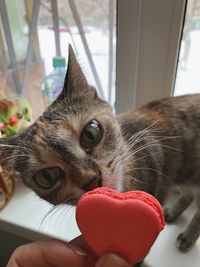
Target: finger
x: 80, y: 242
x: 109, y: 260
x: 48, y: 253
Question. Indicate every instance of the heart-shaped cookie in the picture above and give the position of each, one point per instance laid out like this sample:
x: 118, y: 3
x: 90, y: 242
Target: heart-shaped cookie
x: 123, y: 223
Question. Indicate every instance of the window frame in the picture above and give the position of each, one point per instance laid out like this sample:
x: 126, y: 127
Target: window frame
x: 148, y: 41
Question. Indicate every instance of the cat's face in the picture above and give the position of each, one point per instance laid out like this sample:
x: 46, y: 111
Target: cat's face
x: 73, y: 147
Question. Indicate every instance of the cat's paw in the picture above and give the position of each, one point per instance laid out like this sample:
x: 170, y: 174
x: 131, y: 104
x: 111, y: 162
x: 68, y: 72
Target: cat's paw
x: 184, y: 243
x: 169, y: 215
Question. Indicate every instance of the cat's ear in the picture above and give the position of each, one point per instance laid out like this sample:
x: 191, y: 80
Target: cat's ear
x: 75, y: 80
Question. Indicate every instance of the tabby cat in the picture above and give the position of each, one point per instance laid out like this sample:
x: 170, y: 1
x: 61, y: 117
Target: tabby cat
x: 79, y: 144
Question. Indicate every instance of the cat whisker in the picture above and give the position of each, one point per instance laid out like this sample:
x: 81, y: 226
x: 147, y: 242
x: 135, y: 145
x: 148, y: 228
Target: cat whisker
x: 149, y: 155
x: 126, y: 155
x: 11, y: 147
x: 151, y: 169
x: 128, y: 177
x: 132, y: 143
x: 147, y: 130
x: 16, y: 155
x: 138, y: 137
x: 67, y: 210
x: 52, y: 211
x: 152, y: 143
x: 162, y: 138
x: 10, y: 158
x: 145, y: 147
x: 55, y: 209
x: 172, y: 148
x: 144, y: 131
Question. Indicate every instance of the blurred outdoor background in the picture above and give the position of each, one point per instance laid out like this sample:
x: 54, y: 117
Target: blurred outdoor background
x: 33, y: 32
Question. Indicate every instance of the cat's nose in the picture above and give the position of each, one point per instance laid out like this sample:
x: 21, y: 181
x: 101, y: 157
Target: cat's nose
x: 92, y: 183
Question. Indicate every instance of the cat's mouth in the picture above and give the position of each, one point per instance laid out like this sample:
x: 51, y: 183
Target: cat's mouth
x: 93, y: 183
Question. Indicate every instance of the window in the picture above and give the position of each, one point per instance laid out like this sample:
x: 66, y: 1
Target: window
x: 33, y: 32
x: 148, y: 43
x: 188, y: 78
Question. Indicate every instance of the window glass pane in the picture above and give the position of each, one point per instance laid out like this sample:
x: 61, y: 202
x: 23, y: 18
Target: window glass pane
x: 188, y: 78
x: 89, y: 26
x: 19, y: 27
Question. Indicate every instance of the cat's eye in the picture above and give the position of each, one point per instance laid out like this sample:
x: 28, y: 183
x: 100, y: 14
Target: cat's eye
x: 91, y: 135
x: 47, y: 178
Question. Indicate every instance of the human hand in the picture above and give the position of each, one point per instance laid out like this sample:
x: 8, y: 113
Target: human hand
x: 53, y: 252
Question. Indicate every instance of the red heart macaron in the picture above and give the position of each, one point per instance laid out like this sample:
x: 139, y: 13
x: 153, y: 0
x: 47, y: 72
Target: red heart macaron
x: 123, y: 223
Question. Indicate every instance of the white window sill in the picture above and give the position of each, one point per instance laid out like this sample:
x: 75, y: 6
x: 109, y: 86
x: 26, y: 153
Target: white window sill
x: 24, y: 214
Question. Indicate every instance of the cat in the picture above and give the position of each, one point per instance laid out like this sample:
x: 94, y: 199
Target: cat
x: 78, y: 144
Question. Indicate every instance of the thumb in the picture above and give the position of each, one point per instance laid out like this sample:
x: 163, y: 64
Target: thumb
x: 109, y: 260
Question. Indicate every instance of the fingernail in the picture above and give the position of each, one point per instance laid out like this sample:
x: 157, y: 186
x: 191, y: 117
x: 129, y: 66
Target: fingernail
x: 78, y: 250
x: 111, y: 260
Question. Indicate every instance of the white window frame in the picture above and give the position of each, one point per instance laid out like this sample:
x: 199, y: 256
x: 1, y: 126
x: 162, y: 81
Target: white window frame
x: 148, y: 40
